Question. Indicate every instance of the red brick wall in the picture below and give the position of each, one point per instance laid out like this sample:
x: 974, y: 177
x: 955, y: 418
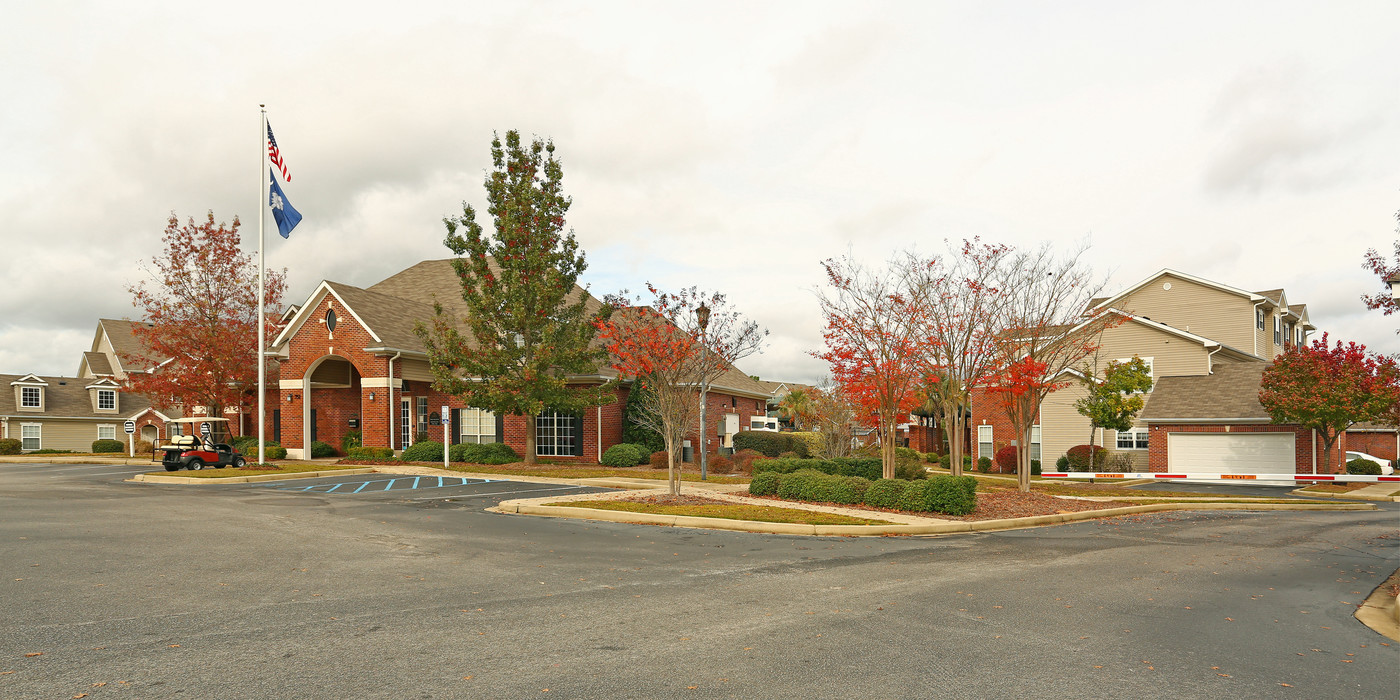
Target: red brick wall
x: 987, y: 408
x: 1379, y: 444
x: 333, y: 406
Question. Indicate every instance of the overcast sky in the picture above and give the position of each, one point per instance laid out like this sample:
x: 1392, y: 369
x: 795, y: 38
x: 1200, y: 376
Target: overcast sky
x: 728, y: 145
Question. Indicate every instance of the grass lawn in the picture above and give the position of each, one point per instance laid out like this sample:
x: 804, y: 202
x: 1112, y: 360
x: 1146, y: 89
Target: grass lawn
x: 290, y: 468
x: 731, y: 511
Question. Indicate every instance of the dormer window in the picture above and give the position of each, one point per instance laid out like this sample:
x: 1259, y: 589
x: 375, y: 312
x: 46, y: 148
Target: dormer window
x: 29, y: 397
x: 107, y: 399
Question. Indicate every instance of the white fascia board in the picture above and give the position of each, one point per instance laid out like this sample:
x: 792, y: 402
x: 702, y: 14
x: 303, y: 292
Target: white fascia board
x: 304, y: 314
x: 1192, y: 278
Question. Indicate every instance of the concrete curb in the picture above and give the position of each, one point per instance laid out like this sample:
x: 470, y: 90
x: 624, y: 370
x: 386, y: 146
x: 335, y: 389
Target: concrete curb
x: 163, y: 479
x: 1381, y: 611
x: 1357, y: 495
x: 528, y: 507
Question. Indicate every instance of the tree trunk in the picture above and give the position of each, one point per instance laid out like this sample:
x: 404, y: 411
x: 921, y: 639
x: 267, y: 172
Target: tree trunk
x: 530, y: 448
x: 1327, y: 443
x: 1023, y: 463
x: 887, y: 449
x: 954, y: 428
x: 671, y: 483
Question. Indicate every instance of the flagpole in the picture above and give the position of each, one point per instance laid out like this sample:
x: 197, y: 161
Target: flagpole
x: 262, y: 283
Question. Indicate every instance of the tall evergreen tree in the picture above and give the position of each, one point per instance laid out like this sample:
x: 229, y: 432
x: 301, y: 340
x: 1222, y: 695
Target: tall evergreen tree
x: 528, y: 326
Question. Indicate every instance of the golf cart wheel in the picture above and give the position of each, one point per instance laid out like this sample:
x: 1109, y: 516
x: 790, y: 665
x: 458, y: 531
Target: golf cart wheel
x: 239, y: 462
x: 196, y: 465
x: 172, y: 466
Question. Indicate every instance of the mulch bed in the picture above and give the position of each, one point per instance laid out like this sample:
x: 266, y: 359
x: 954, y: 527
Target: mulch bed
x: 682, y: 500
x: 994, y: 505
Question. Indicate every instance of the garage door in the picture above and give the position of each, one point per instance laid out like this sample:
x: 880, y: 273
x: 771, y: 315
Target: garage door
x: 1230, y: 453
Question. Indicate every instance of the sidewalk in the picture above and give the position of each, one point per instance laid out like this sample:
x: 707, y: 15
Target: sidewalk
x: 1374, y: 492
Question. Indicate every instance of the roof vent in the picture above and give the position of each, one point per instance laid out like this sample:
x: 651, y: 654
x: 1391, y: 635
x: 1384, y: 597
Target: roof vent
x: 63, y: 383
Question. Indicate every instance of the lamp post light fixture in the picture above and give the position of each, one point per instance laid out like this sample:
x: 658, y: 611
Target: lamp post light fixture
x: 702, y: 317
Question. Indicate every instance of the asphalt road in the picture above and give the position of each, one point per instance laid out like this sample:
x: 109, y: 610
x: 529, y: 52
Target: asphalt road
x: 247, y: 591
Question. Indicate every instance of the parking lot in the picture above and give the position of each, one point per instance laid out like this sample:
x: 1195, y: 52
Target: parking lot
x: 302, y: 588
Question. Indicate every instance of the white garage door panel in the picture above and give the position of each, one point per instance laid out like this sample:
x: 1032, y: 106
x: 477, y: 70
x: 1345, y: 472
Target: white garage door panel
x: 1230, y: 453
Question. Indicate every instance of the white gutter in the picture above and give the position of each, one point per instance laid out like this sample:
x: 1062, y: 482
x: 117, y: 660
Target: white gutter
x: 1210, y: 359
x: 1254, y: 327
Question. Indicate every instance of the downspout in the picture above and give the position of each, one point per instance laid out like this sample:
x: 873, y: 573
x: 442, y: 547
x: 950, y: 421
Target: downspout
x: 392, y: 402
x: 1210, y: 359
x: 600, y: 430
x: 1314, y: 449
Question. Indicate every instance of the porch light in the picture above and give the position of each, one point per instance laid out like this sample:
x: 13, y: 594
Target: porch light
x: 371, y: 396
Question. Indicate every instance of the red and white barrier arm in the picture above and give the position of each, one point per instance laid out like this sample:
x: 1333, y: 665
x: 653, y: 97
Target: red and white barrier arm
x: 1340, y: 478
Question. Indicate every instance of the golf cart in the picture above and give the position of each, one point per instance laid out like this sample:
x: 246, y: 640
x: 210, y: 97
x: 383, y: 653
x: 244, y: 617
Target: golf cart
x: 206, y: 445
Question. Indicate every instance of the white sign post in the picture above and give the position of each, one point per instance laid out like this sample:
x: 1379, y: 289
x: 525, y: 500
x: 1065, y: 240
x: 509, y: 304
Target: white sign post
x: 446, y: 426
x: 130, y: 428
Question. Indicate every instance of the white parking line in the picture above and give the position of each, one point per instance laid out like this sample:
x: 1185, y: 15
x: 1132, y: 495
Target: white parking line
x: 499, y: 493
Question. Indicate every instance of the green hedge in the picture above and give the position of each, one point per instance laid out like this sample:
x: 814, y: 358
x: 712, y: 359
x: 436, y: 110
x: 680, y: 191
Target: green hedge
x: 941, y: 494
x: 811, y: 442
x: 622, y: 455
x: 1363, y: 466
x: 322, y: 449
x: 484, y: 453
x: 868, y: 467
x: 425, y: 451
x: 108, y: 446
x: 11, y: 446
x: 771, y: 444
x: 1086, y: 458
x: 370, y: 453
x: 247, y: 445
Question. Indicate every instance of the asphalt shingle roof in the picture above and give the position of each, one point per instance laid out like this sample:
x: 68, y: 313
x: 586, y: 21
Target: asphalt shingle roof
x: 1232, y: 392
x: 67, y: 396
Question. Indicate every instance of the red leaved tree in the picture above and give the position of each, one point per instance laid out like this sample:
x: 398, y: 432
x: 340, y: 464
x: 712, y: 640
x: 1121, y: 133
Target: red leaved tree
x: 666, y: 347
x: 872, y: 345
x: 1045, y: 333
x: 201, y: 311
x: 1330, y: 389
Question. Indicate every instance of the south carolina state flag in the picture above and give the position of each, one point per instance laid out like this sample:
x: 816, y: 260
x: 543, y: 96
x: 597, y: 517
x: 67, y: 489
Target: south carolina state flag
x: 286, y: 216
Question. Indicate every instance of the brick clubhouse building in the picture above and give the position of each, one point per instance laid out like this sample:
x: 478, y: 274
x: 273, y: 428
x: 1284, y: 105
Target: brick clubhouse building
x: 351, y: 361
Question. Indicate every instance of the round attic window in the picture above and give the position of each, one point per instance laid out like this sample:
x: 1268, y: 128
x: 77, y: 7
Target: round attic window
x: 1167, y: 286
x: 330, y: 320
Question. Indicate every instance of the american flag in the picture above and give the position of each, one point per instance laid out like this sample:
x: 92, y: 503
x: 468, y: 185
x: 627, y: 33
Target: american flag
x: 275, y: 155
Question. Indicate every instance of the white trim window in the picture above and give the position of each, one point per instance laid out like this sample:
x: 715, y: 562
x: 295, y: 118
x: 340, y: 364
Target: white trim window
x: 1278, y: 331
x: 29, y: 397
x: 1035, y: 443
x: 405, y: 423
x: 1135, y: 439
x: 106, y: 432
x: 984, y: 442
x: 1259, y: 317
x: 31, y: 436
x: 106, y: 399
x: 422, y: 414
x: 554, y: 434
x: 478, y: 426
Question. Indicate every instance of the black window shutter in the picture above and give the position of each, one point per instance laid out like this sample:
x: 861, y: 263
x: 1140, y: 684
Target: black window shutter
x: 578, y: 435
x: 277, y: 426
x: 313, y: 430
x: 453, y: 427
x: 500, y: 427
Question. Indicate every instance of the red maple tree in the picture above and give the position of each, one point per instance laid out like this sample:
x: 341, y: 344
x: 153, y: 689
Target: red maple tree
x: 199, y: 343
x: 872, y: 346
x: 1330, y: 389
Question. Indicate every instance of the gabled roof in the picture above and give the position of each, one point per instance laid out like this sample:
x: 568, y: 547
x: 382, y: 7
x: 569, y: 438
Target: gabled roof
x: 1230, y: 394
x: 1182, y: 275
x: 119, y: 335
x: 1274, y: 296
x: 97, y: 363
x: 67, y: 397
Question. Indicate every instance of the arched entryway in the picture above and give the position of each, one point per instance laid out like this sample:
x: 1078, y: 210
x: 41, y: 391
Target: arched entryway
x: 330, y: 402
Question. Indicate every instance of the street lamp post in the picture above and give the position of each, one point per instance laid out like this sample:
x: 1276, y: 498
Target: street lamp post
x: 702, y: 316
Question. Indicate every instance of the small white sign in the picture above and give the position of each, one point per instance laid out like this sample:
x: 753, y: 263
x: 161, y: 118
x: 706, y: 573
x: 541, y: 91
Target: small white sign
x: 129, y: 427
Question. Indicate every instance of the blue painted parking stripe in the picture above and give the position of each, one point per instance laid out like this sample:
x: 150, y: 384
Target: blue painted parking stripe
x: 362, y: 487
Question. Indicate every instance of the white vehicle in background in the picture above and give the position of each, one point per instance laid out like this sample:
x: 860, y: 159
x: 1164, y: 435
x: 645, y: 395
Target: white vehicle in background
x: 1387, y: 466
x: 763, y: 424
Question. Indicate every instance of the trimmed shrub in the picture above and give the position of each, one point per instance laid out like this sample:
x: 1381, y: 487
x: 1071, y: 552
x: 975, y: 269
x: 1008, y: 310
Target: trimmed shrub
x: 932, y: 457
x: 622, y: 455
x: 843, y: 466
x: 103, y: 446
x: 425, y: 451
x: 743, y: 460
x: 244, y: 444
x: 1006, y: 458
x: 1363, y: 466
x: 320, y: 449
x: 1062, y: 464
x: 885, y: 493
x: 945, y: 461
x: 984, y: 464
x: 1035, y: 467
x: 51, y: 452
x: 850, y: 490
x: 11, y: 446
x: 775, y: 444
x: 1086, y: 458
x: 820, y: 487
x: 907, y: 454
x: 789, y: 455
x: 1121, y: 462
x: 794, y: 485
x: 658, y: 459
x: 764, y: 483
x: 643, y: 452
x: 720, y: 464
x: 950, y: 495
x: 911, y: 497
x: 806, y: 443
x: 910, y: 472
x: 369, y: 453
x: 485, y: 453
x: 272, y: 450
x: 420, y: 437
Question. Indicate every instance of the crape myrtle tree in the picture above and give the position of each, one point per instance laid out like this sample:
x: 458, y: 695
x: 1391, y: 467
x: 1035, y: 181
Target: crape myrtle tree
x: 1386, y: 270
x: 1113, y: 402
x: 528, y: 326
x: 833, y: 417
x: 1047, y: 332
x: 663, y: 347
x: 872, y: 344
x: 201, y: 313
x: 962, y: 301
x: 1330, y: 389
